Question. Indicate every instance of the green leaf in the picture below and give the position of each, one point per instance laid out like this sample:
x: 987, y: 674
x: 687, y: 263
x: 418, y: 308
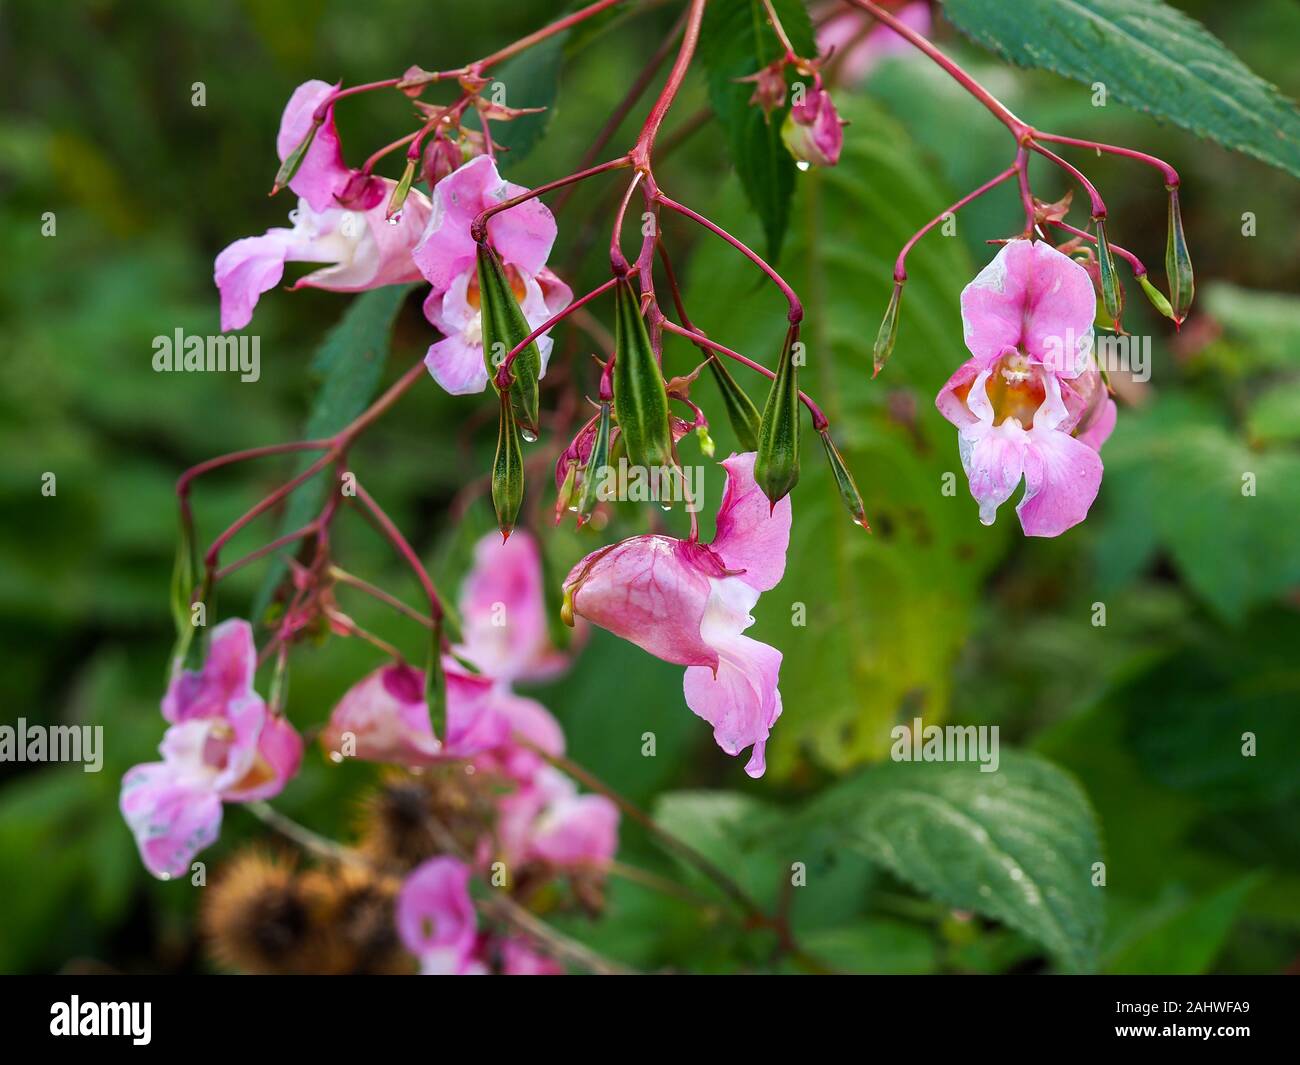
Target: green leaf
x: 1225, y: 512
x: 1149, y: 56
x: 1017, y: 844
x: 879, y: 945
x: 1264, y: 325
x: 1182, y: 940
x: 531, y: 79
x: 737, y: 41
x: 349, y: 363
x: 1275, y: 415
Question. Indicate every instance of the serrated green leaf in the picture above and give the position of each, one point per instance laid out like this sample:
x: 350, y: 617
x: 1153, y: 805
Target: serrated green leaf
x: 1017, y: 845
x: 737, y: 41
x: 1148, y: 55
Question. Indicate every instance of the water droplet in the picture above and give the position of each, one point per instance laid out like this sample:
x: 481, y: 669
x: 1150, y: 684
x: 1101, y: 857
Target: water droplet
x: 803, y: 164
x: 529, y: 436
x: 665, y: 506
x: 396, y: 220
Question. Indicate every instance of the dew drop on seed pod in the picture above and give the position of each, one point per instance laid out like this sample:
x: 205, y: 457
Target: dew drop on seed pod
x: 803, y: 164
x: 529, y: 436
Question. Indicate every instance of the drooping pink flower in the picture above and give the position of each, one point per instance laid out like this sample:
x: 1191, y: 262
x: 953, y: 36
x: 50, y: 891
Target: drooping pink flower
x: 384, y: 717
x: 812, y: 130
x: 689, y: 603
x: 224, y: 745
x: 436, y: 919
x: 503, y: 613
x: 446, y: 256
x: 546, y: 820
x: 1029, y: 404
x: 857, y: 48
x: 339, y: 221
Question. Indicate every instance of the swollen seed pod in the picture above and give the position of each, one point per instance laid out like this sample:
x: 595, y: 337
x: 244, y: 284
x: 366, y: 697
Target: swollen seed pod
x: 776, y: 467
x: 1178, y: 262
x: 888, y: 331
x: 844, y: 482
x: 504, y: 328
x: 400, y: 191
x: 640, y: 398
x: 741, y: 412
x: 1156, y: 297
x: 507, y: 471
x: 597, y: 463
x: 1112, y: 293
x: 294, y: 159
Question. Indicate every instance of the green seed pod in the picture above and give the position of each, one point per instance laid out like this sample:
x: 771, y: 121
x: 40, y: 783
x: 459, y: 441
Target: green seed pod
x: 401, y: 190
x: 888, y: 331
x: 844, y: 482
x: 565, y: 493
x: 597, y: 461
x: 741, y: 412
x: 1156, y: 297
x: 640, y: 398
x: 294, y: 160
x: 1178, y: 262
x: 184, y: 574
x: 1112, y: 292
x: 776, y: 469
x: 507, y: 471
x: 435, y: 684
x: 504, y: 327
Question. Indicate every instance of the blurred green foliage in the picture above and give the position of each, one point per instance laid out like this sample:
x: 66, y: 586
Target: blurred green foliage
x: 932, y: 614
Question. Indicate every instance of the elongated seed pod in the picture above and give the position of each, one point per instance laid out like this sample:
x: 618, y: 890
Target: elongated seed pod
x: 640, y: 398
x: 776, y: 468
x: 507, y: 471
x: 504, y: 328
x: 741, y: 411
x: 1178, y: 262
x: 844, y: 482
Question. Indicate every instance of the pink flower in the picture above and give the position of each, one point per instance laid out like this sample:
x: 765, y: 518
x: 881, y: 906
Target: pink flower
x: 224, y: 745
x: 503, y: 614
x: 1029, y: 403
x: 546, y: 820
x: 339, y: 221
x: 857, y: 52
x: 518, y: 958
x: 812, y: 131
x: 689, y: 603
x: 436, y: 919
x: 384, y: 718
x: 446, y: 256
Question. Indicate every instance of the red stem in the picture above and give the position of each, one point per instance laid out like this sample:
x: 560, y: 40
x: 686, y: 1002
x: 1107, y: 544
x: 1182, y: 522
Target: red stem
x: 1094, y: 197
x: 1139, y: 269
x: 395, y: 537
x: 900, y: 271
x: 1169, y: 173
x: 645, y: 142
x: 478, y: 229
x: 503, y: 371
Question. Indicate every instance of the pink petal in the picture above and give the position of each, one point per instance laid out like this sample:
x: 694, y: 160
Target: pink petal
x: 246, y: 269
x: 574, y: 830
x: 322, y: 172
x: 518, y: 958
x: 1101, y: 426
x: 522, y: 236
x: 226, y: 676
x: 387, y: 717
x: 741, y: 700
x: 279, y: 756
x: 173, y: 816
x: 475, y: 721
x: 368, y: 250
x: 751, y: 535
x: 651, y: 591
x: 994, y: 460
x: 503, y: 616
x: 951, y: 399
x: 436, y: 918
x: 525, y: 720
x: 1032, y: 297
x: 1062, y: 476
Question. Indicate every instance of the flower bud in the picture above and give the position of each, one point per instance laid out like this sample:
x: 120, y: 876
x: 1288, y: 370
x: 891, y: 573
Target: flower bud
x: 844, y: 482
x: 640, y: 397
x: 888, y: 331
x: 741, y: 412
x: 441, y: 157
x: 504, y: 327
x: 769, y: 87
x: 776, y: 467
x: 812, y: 130
x: 1156, y: 297
x: 1112, y: 292
x: 400, y: 191
x: 597, y: 461
x: 1178, y: 263
x: 507, y: 471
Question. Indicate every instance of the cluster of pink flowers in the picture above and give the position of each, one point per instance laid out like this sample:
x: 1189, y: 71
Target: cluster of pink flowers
x: 341, y: 219
x: 1030, y: 402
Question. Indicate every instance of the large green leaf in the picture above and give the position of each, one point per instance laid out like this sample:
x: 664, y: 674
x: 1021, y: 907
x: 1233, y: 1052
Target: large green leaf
x: 1181, y: 939
x: 737, y: 41
x: 1017, y: 844
x: 349, y: 363
x: 1149, y: 56
x: 883, y: 614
